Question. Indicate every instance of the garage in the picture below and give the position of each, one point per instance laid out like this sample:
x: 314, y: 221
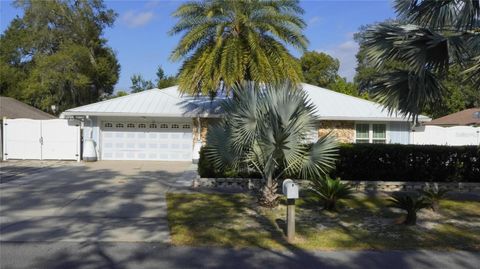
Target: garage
x: 160, y: 141
x: 157, y: 125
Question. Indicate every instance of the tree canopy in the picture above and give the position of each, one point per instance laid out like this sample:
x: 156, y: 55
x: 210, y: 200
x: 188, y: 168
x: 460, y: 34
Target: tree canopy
x: 319, y: 68
x: 429, y: 39
x: 226, y: 41
x: 55, y: 54
x: 164, y: 81
x: 139, y: 84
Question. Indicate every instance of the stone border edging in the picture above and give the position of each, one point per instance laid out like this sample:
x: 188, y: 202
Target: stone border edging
x: 246, y: 184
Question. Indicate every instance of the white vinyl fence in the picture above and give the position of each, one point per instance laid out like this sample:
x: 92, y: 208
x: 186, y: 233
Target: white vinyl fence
x: 56, y: 139
x: 453, y: 136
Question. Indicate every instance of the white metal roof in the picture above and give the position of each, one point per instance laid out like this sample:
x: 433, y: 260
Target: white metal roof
x: 166, y: 102
x: 332, y: 105
x: 169, y: 102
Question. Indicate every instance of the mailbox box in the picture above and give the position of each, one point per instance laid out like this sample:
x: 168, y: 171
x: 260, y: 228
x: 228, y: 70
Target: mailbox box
x: 290, y: 189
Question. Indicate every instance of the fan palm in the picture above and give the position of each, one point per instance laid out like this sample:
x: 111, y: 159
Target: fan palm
x: 226, y: 41
x: 265, y: 128
x: 432, y: 36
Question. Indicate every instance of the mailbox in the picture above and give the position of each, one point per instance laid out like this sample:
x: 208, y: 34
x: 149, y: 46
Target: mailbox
x: 290, y: 189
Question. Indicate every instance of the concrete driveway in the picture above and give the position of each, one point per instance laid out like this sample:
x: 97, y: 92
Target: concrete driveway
x: 108, y: 201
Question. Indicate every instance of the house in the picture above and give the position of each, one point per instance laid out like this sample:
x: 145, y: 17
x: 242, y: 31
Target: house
x: 164, y: 125
x: 467, y: 117
x: 11, y: 108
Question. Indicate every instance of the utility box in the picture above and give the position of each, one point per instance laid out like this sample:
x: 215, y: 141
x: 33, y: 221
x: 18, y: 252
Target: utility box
x: 290, y: 189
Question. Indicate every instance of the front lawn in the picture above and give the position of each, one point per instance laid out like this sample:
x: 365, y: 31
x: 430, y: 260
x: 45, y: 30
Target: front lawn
x: 234, y: 220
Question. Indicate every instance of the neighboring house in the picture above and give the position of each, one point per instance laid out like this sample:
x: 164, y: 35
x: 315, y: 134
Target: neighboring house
x: 13, y: 109
x: 467, y: 117
x: 164, y: 125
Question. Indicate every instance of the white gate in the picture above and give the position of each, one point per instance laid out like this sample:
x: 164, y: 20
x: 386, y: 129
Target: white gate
x: 41, y: 139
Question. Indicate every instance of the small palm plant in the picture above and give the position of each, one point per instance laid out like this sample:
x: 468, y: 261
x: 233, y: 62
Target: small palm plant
x: 330, y: 191
x: 433, y: 195
x: 265, y: 128
x: 410, y: 203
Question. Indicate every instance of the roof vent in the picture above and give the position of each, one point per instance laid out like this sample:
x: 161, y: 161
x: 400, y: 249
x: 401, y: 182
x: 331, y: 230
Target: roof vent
x: 476, y: 114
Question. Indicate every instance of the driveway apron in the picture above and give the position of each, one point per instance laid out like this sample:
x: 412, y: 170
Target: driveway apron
x: 108, y: 201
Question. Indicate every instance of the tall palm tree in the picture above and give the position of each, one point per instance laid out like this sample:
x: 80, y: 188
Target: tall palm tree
x: 432, y: 35
x: 226, y: 41
x: 265, y: 128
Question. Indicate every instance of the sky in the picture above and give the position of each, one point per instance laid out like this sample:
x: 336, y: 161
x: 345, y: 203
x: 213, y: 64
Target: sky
x: 141, y: 41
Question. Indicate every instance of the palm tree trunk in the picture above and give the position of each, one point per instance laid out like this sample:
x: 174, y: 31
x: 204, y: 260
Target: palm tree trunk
x: 411, y: 218
x: 268, y: 196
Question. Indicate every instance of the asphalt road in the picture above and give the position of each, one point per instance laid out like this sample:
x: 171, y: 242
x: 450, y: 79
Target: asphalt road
x: 73, y: 255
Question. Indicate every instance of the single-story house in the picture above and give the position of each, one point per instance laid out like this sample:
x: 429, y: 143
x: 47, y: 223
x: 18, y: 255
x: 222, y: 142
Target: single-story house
x: 162, y: 124
x: 11, y: 108
x: 467, y: 117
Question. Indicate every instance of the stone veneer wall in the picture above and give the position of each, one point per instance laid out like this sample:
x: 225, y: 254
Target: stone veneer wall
x: 203, y: 130
x: 343, y: 130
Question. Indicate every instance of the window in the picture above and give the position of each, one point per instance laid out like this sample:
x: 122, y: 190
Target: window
x: 142, y: 125
x: 186, y: 126
x: 153, y: 125
x: 130, y: 125
x: 108, y: 124
x: 362, y: 131
x: 119, y: 125
x: 371, y: 133
x: 379, y: 134
x: 163, y: 125
x: 175, y: 126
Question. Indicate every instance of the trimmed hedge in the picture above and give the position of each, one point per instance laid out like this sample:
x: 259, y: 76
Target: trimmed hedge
x: 389, y: 162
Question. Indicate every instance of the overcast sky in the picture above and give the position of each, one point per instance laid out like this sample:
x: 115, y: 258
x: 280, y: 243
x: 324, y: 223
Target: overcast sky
x: 140, y: 38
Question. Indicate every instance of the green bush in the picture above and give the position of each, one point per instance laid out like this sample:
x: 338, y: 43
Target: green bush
x: 330, y: 191
x: 411, y: 203
x: 389, y: 162
x: 394, y: 162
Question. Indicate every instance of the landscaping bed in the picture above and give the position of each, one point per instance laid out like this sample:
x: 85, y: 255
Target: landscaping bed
x: 234, y: 220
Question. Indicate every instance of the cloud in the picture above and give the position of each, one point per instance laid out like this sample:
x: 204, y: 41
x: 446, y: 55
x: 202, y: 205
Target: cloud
x: 314, y: 20
x: 345, y: 52
x: 135, y: 19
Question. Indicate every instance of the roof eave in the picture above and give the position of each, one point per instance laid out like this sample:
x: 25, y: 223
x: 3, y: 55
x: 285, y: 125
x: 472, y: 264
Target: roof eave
x: 67, y: 114
x: 379, y: 119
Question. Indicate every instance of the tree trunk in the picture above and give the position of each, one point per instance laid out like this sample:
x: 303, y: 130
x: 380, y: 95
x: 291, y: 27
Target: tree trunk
x: 411, y: 218
x: 330, y: 205
x: 268, y: 196
x: 435, y: 206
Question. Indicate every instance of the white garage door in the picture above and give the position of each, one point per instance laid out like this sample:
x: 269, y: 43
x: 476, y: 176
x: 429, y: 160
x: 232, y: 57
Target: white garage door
x: 146, y: 141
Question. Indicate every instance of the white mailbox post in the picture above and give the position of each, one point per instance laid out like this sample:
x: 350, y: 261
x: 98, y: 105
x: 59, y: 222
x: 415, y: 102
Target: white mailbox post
x: 290, y: 189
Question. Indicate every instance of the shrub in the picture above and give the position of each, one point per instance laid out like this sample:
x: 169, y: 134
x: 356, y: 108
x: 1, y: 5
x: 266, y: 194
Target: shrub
x: 433, y: 194
x: 390, y: 162
x: 410, y: 203
x: 330, y: 191
x: 394, y: 162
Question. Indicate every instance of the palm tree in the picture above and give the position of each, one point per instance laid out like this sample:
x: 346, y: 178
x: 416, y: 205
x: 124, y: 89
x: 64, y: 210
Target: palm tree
x: 265, y: 128
x: 227, y: 41
x: 430, y: 37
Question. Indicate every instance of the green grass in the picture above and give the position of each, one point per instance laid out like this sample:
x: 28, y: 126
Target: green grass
x: 234, y: 220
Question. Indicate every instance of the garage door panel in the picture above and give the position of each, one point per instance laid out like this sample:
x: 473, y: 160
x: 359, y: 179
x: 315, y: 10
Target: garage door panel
x: 174, y: 144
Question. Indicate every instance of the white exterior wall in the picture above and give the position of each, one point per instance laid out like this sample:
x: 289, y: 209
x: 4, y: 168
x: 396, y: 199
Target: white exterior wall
x: 399, y: 133
x: 453, y: 136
